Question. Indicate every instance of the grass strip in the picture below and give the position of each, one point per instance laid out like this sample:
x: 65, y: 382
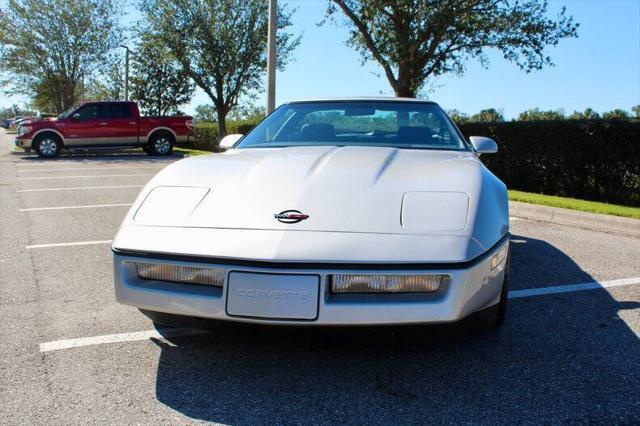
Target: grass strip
x: 187, y: 151
x: 575, y: 204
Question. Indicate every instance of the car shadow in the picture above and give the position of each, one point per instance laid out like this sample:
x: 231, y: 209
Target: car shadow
x: 558, y: 358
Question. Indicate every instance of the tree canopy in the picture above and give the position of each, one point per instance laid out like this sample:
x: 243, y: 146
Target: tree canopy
x: 587, y: 114
x: 489, y: 115
x: 48, y: 46
x: 536, y: 114
x: 221, y: 44
x: 158, y: 81
x: 414, y: 40
x: 616, y: 114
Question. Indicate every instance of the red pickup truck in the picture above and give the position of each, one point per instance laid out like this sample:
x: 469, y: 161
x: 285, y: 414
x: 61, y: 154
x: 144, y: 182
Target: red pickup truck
x: 104, y: 125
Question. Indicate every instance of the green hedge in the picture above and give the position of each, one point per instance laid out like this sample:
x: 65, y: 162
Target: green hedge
x: 206, y: 134
x: 595, y: 160
x: 206, y: 137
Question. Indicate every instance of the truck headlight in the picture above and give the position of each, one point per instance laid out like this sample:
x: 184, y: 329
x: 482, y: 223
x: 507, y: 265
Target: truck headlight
x: 181, y: 274
x: 379, y: 283
x: 23, y: 130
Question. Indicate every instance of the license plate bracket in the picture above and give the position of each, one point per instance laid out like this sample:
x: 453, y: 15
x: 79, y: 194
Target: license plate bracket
x: 273, y: 296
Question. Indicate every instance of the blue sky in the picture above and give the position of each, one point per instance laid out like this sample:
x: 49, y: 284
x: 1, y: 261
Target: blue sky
x: 600, y: 69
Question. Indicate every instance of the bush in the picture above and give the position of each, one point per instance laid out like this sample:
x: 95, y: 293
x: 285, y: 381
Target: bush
x: 242, y: 126
x: 207, y: 136
x: 595, y: 160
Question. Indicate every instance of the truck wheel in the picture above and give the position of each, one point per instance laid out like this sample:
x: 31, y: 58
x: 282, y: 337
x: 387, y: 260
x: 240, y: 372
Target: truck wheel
x: 47, y: 145
x: 161, y: 143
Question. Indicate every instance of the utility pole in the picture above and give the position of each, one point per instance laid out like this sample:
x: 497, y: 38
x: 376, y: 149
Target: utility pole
x: 271, y: 56
x: 126, y: 74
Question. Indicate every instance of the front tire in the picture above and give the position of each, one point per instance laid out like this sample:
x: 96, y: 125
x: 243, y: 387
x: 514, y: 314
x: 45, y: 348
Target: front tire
x: 47, y: 146
x: 160, y: 143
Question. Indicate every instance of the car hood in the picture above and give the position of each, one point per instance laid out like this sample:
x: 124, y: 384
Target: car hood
x: 342, y: 189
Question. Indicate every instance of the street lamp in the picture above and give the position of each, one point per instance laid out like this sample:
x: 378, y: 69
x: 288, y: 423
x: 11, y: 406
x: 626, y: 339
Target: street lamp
x: 126, y: 74
x: 271, y: 56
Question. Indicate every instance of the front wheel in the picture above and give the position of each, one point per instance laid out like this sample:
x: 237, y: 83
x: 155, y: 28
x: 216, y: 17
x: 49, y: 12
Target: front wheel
x: 47, y: 146
x: 160, y: 143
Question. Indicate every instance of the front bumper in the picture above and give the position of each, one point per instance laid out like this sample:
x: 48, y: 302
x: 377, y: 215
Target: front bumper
x: 23, y: 143
x: 472, y: 287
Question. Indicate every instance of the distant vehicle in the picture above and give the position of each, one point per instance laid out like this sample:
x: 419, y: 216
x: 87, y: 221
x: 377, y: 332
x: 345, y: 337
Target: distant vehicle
x: 14, y: 120
x: 328, y: 213
x: 5, y: 123
x: 115, y: 124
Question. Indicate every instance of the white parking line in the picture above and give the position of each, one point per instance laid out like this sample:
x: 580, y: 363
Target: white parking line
x: 49, y: 163
x: 75, y: 243
x: 117, y: 338
x: 79, y: 188
x: 90, y: 168
x: 592, y: 285
x: 82, y: 176
x: 174, y: 332
x: 94, y: 206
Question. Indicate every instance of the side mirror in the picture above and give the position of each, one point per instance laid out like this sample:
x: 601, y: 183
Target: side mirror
x: 484, y: 145
x: 230, y: 140
x: 76, y: 116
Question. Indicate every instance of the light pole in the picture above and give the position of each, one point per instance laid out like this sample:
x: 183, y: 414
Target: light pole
x: 126, y: 74
x: 271, y: 56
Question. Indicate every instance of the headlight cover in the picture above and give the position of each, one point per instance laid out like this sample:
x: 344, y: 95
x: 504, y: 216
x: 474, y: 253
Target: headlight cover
x: 169, y: 205
x: 380, y: 283
x: 434, y: 211
x: 180, y: 274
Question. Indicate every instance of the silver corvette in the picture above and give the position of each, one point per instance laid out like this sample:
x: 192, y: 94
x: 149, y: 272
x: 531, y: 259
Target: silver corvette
x: 332, y: 212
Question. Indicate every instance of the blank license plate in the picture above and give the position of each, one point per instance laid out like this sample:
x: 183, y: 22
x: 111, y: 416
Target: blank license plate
x: 276, y: 296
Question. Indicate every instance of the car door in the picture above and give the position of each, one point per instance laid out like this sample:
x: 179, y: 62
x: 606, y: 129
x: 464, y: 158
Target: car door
x: 86, y: 126
x: 122, y: 125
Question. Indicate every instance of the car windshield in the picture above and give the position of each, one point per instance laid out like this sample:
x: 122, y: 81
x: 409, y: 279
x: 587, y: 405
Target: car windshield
x: 414, y: 125
x: 67, y: 113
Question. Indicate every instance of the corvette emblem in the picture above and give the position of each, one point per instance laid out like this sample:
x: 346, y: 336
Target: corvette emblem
x: 291, y: 216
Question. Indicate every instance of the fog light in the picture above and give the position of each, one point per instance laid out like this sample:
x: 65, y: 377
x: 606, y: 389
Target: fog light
x: 181, y: 274
x: 360, y: 283
x: 499, y: 257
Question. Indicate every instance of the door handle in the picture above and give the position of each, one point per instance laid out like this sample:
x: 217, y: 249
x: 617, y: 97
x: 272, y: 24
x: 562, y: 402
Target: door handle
x: 133, y: 122
x: 103, y: 124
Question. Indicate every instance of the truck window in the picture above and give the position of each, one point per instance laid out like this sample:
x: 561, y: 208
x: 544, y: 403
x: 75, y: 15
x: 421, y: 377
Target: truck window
x: 88, y: 112
x: 119, y: 110
x: 92, y: 112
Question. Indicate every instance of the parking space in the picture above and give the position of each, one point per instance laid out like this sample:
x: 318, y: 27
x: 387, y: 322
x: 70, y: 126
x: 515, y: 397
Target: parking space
x: 569, y: 356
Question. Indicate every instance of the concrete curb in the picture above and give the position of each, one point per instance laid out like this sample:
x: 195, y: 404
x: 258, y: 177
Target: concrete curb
x: 597, y: 222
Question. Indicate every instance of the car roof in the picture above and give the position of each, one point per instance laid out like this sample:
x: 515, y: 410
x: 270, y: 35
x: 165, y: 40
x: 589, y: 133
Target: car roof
x: 365, y: 99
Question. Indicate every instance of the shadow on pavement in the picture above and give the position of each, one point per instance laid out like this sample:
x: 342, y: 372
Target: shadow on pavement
x: 558, y: 358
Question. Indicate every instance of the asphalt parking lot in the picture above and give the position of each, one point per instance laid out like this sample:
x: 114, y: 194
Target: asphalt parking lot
x: 71, y: 354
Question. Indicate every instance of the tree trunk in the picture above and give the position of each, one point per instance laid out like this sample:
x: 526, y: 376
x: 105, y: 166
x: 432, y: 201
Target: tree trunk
x: 222, y: 123
x: 403, y: 86
x: 404, y: 92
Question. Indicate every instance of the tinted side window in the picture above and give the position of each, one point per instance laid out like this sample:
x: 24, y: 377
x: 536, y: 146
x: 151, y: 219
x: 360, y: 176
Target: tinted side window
x: 120, y: 110
x: 92, y: 112
x: 88, y: 112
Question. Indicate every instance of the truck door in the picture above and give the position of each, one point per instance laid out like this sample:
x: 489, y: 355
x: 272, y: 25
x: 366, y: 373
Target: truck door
x: 85, y: 127
x: 122, y: 125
